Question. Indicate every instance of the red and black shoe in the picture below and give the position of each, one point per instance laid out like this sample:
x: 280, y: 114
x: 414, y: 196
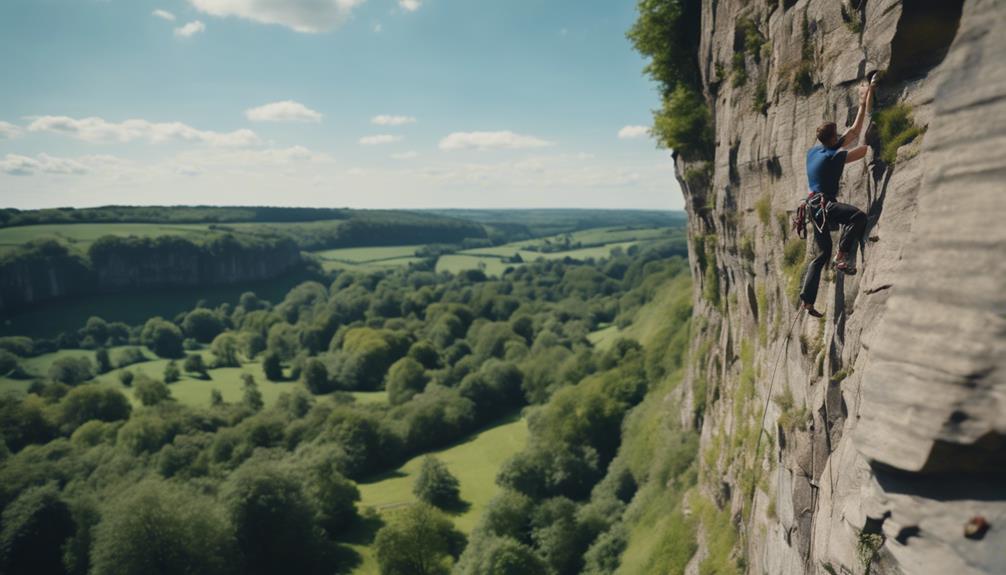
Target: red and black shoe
x: 809, y: 308
x: 843, y: 265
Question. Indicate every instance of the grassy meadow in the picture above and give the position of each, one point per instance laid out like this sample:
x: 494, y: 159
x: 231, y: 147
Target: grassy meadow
x: 81, y: 236
x: 190, y: 390
x: 474, y: 461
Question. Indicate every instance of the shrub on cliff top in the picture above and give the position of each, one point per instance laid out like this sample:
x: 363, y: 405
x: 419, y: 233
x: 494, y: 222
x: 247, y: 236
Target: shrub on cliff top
x: 684, y: 125
x: 667, y: 32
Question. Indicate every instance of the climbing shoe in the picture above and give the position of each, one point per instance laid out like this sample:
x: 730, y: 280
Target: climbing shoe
x: 842, y: 264
x: 809, y: 308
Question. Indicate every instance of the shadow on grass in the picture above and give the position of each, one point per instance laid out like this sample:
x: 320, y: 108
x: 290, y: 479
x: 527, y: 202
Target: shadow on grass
x: 364, y: 529
x: 456, y: 507
x: 346, y: 559
x: 393, y: 474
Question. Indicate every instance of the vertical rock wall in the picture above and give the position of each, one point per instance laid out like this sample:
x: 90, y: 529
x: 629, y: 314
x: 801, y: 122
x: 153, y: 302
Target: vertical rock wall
x: 882, y: 426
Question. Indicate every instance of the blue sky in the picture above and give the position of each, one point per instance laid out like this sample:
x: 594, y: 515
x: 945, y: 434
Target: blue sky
x: 359, y: 103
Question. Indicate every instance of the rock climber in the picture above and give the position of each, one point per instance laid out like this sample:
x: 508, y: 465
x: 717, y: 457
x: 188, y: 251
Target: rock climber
x: 825, y: 162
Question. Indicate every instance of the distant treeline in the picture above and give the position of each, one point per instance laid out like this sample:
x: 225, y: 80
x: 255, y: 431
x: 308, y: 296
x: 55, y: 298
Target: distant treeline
x: 11, y: 217
x: 46, y: 268
x: 376, y: 228
x: 519, y: 224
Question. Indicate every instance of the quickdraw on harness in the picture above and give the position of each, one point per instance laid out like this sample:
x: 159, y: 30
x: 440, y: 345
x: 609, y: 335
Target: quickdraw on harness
x: 818, y: 205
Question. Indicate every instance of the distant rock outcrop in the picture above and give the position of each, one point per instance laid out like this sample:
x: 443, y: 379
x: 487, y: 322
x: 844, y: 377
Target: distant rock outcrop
x: 884, y: 447
x: 46, y: 270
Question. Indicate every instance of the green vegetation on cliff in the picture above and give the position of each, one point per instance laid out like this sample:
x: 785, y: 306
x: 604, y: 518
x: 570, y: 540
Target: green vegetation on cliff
x: 667, y: 32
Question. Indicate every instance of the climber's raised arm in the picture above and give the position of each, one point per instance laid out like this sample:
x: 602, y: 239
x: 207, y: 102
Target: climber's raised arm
x: 851, y: 137
x: 855, y: 154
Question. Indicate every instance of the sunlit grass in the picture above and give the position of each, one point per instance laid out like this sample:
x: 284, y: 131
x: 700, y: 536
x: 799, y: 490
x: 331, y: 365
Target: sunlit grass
x: 475, y: 462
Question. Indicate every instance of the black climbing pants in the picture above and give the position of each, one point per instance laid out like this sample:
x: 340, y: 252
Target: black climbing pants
x: 853, y: 221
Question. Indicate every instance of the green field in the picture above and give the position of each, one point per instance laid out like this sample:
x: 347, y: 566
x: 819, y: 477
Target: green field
x: 595, y: 237
x: 456, y: 263
x: 81, y: 236
x: 490, y: 259
x: 189, y: 390
x: 474, y: 462
x: 367, y: 259
x: 360, y: 255
x: 331, y: 265
x: 616, y: 234
x: 603, y: 338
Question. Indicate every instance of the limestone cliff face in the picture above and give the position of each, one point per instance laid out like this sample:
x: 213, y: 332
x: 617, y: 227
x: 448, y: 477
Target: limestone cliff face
x: 884, y: 424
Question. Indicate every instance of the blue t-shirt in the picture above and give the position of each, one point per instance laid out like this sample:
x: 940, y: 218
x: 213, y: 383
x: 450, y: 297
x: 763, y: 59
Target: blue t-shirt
x: 824, y: 169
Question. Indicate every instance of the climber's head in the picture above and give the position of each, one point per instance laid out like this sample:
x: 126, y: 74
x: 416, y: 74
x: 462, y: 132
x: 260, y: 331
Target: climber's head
x: 827, y: 134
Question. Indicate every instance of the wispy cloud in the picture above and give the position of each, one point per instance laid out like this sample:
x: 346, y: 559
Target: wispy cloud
x: 191, y: 29
x: 99, y: 130
x: 562, y: 171
x: 379, y: 139
x: 633, y: 132
x: 505, y: 140
x: 246, y: 160
x: 388, y: 120
x: 8, y: 130
x: 17, y: 165
x: 410, y: 5
x: 285, y: 111
x: 305, y: 16
x: 405, y: 155
x: 163, y: 15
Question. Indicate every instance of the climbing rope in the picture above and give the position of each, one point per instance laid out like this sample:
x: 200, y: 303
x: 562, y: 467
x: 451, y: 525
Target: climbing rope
x: 761, y: 427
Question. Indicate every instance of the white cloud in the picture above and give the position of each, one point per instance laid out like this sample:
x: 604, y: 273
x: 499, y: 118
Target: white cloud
x: 247, y: 159
x: 17, y: 165
x: 379, y: 139
x: 405, y: 155
x: 191, y: 29
x: 569, y: 172
x: 8, y: 130
x: 305, y: 16
x: 285, y: 111
x: 410, y: 5
x: 505, y: 140
x: 633, y: 132
x: 388, y: 120
x: 164, y: 15
x: 99, y: 130
x: 378, y: 28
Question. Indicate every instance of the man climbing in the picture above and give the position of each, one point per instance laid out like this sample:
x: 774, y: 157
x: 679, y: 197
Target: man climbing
x: 825, y: 163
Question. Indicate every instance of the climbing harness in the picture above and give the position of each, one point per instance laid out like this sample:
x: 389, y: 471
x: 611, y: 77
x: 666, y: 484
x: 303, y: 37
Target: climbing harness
x: 815, y: 209
x: 819, y: 210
